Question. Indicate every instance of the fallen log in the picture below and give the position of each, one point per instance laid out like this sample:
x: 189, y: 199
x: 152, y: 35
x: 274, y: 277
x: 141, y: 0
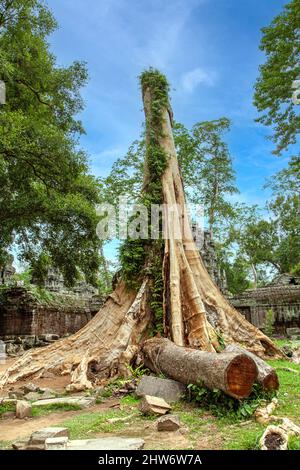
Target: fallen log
x: 267, y: 376
x: 233, y: 373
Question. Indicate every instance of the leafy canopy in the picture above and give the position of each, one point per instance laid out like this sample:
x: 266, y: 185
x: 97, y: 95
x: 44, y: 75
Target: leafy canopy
x: 273, y: 90
x: 47, y: 197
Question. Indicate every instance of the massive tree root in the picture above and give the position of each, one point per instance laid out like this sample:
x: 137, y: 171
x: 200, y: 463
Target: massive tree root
x: 196, y: 314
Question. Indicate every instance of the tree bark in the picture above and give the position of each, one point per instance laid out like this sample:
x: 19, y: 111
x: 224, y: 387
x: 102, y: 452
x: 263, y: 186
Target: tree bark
x: 267, y: 376
x: 196, y: 313
x: 233, y: 372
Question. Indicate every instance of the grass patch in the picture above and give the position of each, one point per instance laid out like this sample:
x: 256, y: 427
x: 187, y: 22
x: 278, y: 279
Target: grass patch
x: 89, y: 424
x: 5, y: 407
x: 55, y: 407
x: 5, y: 445
x: 130, y: 400
x: 236, y: 437
x: 294, y: 443
x: 289, y: 391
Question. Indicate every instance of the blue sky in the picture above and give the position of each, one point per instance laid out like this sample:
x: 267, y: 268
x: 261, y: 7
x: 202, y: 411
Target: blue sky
x: 209, y: 50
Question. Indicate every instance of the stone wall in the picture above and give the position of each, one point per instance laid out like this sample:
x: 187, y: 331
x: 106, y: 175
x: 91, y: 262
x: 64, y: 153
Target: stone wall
x: 22, y: 315
x: 283, y: 300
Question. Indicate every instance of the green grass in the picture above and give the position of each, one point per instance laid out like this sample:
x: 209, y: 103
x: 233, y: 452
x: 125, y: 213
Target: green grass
x: 237, y: 437
x: 4, y: 407
x: 88, y: 424
x: 56, y: 407
x: 289, y: 391
x: 130, y: 400
x: 5, y: 445
x: 294, y: 443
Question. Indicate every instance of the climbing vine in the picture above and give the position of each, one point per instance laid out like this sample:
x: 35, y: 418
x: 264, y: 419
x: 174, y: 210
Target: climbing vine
x: 140, y: 257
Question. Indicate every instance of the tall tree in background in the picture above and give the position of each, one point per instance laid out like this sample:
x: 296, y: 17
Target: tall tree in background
x: 215, y: 180
x: 47, y: 197
x: 205, y: 164
x: 273, y: 91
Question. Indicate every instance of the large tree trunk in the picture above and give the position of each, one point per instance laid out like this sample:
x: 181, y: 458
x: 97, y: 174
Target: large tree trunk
x: 232, y: 372
x: 195, y: 312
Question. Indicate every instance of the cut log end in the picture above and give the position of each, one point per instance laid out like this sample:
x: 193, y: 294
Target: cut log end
x: 271, y: 381
x: 240, y: 375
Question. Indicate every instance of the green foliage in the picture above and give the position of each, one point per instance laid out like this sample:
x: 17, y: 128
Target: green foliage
x: 273, y: 91
x: 5, y: 407
x: 47, y: 196
x: 138, y: 372
x: 294, y: 443
x: 269, y: 322
x: 225, y: 407
x: 237, y: 274
x: 54, y: 408
x: 139, y: 257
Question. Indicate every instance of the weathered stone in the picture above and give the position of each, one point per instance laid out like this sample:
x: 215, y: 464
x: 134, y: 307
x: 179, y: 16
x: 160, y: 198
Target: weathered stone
x: 47, y: 375
x: 47, y: 394
x: 82, y: 402
x: 56, y: 443
x: 293, y: 332
x: 19, y: 393
x: 168, y: 423
x: 107, y: 443
x: 39, y: 437
x: 32, y: 396
x: 8, y: 415
x: 30, y: 387
x: 8, y: 401
x: 167, y: 389
x: 153, y: 405
x: 49, y: 337
x: 20, y: 445
x: 23, y: 409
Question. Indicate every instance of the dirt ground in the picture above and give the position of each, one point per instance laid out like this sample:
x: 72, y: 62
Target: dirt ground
x: 57, y: 383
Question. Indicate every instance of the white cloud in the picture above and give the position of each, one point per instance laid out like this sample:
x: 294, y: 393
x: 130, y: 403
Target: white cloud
x: 195, y: 77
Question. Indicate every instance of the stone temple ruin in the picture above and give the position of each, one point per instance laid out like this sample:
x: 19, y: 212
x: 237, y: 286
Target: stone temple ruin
x: 282, y: 296
x: 26, y: 321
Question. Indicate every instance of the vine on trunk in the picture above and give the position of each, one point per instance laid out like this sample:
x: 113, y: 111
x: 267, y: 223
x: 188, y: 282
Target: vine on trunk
x: 137, y: 256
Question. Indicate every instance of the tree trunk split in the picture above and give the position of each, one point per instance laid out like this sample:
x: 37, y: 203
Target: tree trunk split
x: 195, y: 314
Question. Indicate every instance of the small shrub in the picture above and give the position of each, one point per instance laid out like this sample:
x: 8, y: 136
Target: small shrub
x: 269, y: 322
x: 223, y: 406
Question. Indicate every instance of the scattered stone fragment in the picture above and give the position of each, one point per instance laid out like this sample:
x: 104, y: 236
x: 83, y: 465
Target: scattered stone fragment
x: 18, y: 393
x: 83, y: 402
x: 263, y: 414
x: 47, y: 375
x: 168, y: 423
x: 47, y: 394
x: 106, y: 443
x: 23, y: 409
x: 32, y: 396
x: 20, y: 445
x: 154, y: 405
x: 168, y: 389
x: 30, y: 387
x: 293, y: 332
x: 38, y: 438
x: 56, y: 443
